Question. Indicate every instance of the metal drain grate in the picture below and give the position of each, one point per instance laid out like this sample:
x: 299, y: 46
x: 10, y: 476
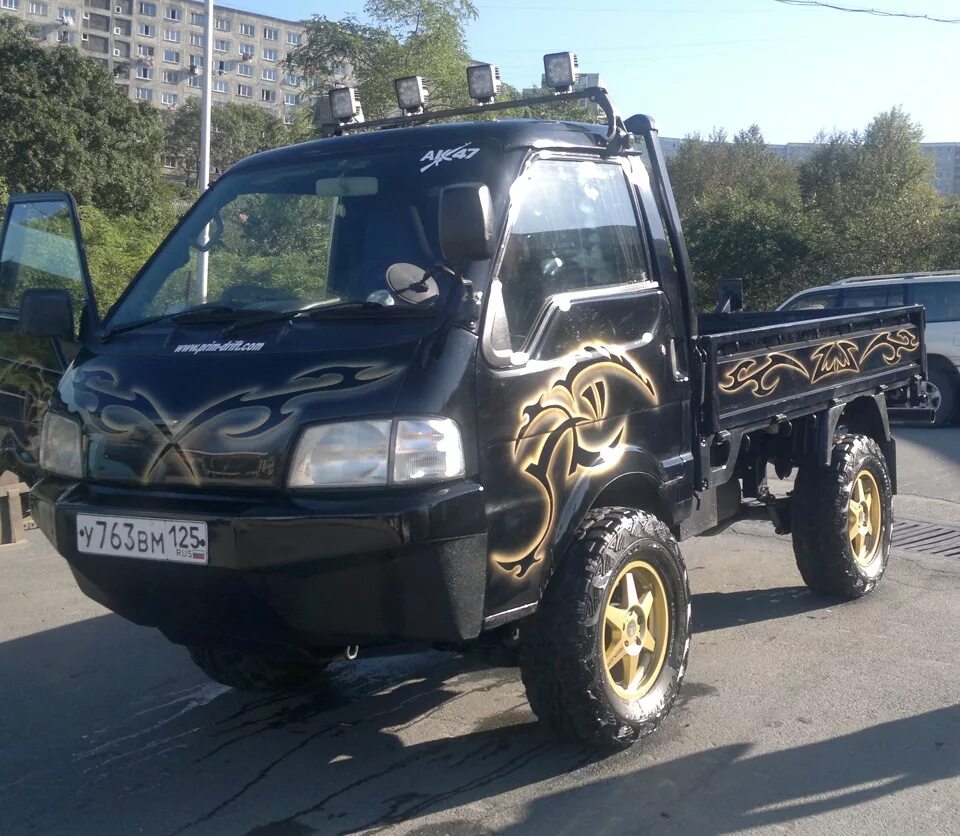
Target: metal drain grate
x: 926, y: 538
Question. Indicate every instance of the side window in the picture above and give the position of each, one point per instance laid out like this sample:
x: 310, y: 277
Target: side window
x: 574, y: 228
x: 868, y: 297
x: 814, y: 301
x: 941, y: 299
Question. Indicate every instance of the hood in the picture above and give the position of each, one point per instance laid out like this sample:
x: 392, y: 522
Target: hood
x: 225, y: 419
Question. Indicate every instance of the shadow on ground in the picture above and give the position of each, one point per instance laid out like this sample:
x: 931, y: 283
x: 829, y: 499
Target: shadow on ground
x: 718, y: 610
x: 108, y: 729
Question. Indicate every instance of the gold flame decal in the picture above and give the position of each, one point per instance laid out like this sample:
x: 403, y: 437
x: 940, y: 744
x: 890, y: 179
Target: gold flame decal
x: 566, y: 434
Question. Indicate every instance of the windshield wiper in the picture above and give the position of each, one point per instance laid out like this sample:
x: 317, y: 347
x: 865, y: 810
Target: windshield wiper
x: 199, y: 314
x: 345, y: 310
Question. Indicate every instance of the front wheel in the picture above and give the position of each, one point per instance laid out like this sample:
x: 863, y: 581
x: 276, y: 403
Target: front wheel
x: 603, y: 659
x: 843, y: 518
x: 252, y: 672
x: 942, y: 397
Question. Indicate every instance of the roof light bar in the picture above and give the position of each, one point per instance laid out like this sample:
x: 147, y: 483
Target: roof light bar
x: 560, y: 71
x: 483, y: 82
x: 410, y: 94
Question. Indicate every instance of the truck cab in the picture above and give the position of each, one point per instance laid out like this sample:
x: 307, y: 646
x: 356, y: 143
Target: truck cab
x: 444, y: 383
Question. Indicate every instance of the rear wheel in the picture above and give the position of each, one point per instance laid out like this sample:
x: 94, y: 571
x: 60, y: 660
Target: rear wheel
x: 252, y: 672
x: 604, y: 657
x: 842, y: 519
x: 942, y: 396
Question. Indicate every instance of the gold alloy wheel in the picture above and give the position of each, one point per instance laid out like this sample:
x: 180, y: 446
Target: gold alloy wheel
x: 865, y: 518
x: 635, y: 630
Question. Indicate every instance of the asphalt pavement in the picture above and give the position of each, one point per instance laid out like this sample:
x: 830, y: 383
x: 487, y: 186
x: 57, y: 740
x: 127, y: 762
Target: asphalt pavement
x: 797, y: 714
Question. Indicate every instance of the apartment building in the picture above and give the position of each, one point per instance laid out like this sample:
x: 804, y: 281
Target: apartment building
x: 155, y: 49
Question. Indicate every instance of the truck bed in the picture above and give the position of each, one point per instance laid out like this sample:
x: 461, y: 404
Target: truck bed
x: 765, y: 364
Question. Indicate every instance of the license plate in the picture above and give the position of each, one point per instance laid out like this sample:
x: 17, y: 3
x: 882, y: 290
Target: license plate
x: 180, y: 541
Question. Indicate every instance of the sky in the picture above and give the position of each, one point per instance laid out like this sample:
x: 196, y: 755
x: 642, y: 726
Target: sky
x: 695, y: 65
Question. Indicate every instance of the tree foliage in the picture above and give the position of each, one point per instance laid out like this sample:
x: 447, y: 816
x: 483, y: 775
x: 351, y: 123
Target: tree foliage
x: 862, y: 203
x: 65, y: 125
x: 237, y: 131
x: 402, y: 38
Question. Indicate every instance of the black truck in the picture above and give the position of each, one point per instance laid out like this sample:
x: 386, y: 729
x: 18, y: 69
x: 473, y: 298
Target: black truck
x: 446, y: 384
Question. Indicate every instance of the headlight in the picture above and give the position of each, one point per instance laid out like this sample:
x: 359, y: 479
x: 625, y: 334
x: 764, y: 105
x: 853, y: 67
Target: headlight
x: 61, y: 450
x: 364, y: 453
x: 350, y: 453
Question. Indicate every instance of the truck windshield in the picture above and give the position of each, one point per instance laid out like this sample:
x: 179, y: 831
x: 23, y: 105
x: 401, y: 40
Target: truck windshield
x: 288, y: 238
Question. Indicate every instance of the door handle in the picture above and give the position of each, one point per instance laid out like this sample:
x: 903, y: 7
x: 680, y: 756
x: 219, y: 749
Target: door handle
x: 678, y: 375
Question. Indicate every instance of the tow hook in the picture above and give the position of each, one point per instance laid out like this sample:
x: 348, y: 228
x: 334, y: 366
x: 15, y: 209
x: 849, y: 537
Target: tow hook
x: 351, y: 651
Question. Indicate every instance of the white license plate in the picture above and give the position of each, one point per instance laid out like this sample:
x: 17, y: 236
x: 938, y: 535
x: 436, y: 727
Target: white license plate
x: 177, y: 540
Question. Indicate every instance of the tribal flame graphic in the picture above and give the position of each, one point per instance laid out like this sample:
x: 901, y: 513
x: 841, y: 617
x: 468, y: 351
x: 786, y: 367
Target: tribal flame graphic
x: 566, y: 434
x: 834, y: 358
x: 892, y: 346
x: 761, y: 376
x: 246, y: 414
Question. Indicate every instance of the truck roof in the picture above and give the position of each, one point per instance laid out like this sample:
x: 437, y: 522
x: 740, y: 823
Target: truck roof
x: 524, y: 133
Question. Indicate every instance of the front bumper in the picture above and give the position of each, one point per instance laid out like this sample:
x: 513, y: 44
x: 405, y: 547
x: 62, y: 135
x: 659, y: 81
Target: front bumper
x: 294, y: 573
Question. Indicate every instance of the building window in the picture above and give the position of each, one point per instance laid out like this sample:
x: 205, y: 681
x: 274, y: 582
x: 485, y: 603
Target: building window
x: 221, y: 45
x: 39, y: 9
x: 144, y: 51
x: 148, y: 9
x: 145, y: 73
x: 145, y: 94
x: 169, y: 99
x: 171, y: 56
x: 9, y: 4
x: 290, y: 99
x: 172, y: 35
x: 287, y: 118
x: 245, y: 90
x: 247, y: 29
x: 220, y: 86
x: 148, y: 30
x: 197, y: 18
x: 170, y: 76
x: 173, y: 14
x: 270, y: 34
x: 194, y: 81
x: 68, y: 16
x: 268, y: 95
x: 169, y: 161
x: 196, y: 40
x: 293, y: 38
x: 270, y: 55
x: 248, y: 50
x: 292, y: 79
x: 196, y: 60
x: 221, y: 24
x: 268, y: 75
x: 245, y: 70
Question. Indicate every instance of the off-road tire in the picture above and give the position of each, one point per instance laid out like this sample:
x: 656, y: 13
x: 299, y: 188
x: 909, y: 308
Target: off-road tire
x: 250, y: 672
x: 819, y: 517
x: 946, y: 384
x: 561, y: 647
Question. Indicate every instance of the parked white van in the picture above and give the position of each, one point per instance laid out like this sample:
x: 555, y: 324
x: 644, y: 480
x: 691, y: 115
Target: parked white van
x: 938, y: 292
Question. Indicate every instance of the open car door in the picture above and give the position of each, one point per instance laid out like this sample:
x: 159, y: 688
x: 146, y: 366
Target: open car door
x: 41, y: 248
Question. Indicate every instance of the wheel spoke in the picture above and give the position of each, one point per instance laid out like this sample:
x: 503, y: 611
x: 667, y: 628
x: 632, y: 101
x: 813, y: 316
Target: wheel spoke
x: 646, y: 604
x: 631, y: 666
x: 854, y: 525
x: 633, y: 598
x: 860, y: 490
x: 614, y: 654
x: 648, y: 642
x: 616, y: 617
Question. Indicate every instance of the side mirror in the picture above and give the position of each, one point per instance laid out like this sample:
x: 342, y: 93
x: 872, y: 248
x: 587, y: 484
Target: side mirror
x: 47, y: 313
x: 729, y: 295
x: 466, y: 223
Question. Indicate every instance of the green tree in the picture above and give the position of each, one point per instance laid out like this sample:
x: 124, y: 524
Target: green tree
x: 402, y: 38
x: 238, y: 130
x: 65, y: 125
x: 703, y: 167
x: 871, y: 198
